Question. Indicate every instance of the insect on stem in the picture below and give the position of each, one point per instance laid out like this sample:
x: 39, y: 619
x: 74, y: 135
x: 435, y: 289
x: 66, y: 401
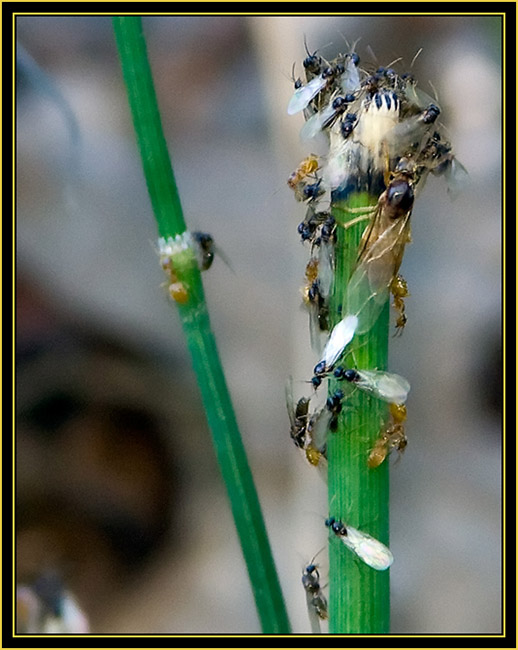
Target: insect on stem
x: 384, y: 140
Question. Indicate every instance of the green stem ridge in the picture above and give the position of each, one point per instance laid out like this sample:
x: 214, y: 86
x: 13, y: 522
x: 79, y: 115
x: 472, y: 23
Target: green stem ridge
x: 196, y: 325
x: 359, y: 596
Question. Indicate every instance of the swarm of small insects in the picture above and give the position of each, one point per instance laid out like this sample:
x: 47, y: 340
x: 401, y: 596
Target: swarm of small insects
x: 384, y: 139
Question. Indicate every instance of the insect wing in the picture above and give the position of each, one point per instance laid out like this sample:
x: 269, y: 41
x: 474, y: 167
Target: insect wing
x: 225, y: 259
x: 418, y: 97
x: 350, y: 79
x: 316, y: 335
x: 295, y: 410
x: 326, y: 268
x: 314, y: 618
x: 315, y: 123
x: 385, y: 238
x: 319, y: 603
x: 303, y: 95
x: 368, y: 549
x: 368, y: 288
x: 319, y: 426
x: 290, y: 404
x: 457, y: 178
x: 387, y: 386
x: 339, y: 338
x: 406, y: 133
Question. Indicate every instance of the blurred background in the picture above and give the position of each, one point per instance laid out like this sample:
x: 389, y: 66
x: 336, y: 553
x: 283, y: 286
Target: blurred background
x: 118, y: 492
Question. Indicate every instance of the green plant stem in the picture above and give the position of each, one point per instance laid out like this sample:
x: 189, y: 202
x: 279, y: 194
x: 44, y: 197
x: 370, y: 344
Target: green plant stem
x: 359, y: 596
x: 196, y: 325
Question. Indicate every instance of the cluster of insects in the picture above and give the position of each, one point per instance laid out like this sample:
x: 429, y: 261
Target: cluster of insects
x: 179, y: 252
x: 383, y: 142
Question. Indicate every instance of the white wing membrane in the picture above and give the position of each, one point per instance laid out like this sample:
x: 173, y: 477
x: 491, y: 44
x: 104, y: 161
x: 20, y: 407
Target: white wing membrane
x: 303, y: 95
x: 339, y: 338
x: 368, y: 549
x: 386, y: 386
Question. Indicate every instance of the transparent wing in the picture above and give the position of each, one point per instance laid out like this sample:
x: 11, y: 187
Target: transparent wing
x: 386, y: 386
x: 418, y: 97
x: 314, y: 619
x: 315, y: 123
x: 297, y: 410
x: 316, y: 335
x: 368, y: 288
x: 326, y: 255
x: 319, y: 426
x: 290, y: 404
x: 408, y: 132
x: 457, y: 178
x: 368, y: 549
x: 303, y: 95
x: 350, y: 79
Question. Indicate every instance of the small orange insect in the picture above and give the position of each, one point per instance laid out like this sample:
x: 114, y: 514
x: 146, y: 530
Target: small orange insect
x: 399, y: 289
x: 307, y: 167
x: 393, y: 437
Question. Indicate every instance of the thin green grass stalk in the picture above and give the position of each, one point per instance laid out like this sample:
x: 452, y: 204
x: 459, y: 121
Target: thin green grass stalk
x: 196, y: 325
x: 359, y: 596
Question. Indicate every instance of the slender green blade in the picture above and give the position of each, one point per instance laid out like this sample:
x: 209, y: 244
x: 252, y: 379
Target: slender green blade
x: 227, y: 441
